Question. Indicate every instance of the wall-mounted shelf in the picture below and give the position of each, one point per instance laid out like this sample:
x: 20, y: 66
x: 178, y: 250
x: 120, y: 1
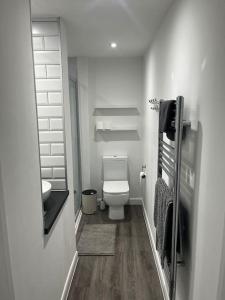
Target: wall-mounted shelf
x: 117, y: 134
x: 114, y: 106
x: 116, y: 111
x: 117, y: 129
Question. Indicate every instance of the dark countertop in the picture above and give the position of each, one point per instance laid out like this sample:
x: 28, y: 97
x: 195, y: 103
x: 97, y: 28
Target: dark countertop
x: 53, y: 206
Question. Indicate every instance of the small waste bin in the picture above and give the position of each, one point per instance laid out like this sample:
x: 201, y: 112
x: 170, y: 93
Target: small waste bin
x: 89, y: 201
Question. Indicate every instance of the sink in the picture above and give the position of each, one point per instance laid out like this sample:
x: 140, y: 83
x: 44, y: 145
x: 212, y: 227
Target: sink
x: 46, y: 189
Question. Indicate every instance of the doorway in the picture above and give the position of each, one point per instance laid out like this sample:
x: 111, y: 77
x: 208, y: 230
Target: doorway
x: 74, y: 109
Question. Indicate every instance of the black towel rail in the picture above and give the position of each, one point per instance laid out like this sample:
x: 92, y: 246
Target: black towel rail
x: 169, y: 161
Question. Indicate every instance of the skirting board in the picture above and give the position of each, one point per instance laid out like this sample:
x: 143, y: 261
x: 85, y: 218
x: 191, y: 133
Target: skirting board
x: 135, y: 201
x: 73, y: 264
x: 69, y: 277
x: 132, y: 201
x: 162, y: 278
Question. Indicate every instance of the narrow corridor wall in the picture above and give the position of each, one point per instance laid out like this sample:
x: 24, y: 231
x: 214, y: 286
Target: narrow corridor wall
x: 187, y: 58
x: 39, y: 265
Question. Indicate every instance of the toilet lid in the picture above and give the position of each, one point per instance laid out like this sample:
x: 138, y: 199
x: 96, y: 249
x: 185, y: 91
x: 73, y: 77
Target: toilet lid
x: 115, y: 187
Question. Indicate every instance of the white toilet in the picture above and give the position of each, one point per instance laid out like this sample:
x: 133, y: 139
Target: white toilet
x: 115, y: 186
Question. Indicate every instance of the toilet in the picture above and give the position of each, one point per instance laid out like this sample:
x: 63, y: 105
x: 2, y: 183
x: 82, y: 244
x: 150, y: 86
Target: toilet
x: 115, y: 185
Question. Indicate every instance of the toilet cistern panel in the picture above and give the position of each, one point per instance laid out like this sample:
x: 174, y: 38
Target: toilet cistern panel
x: 115, y: 167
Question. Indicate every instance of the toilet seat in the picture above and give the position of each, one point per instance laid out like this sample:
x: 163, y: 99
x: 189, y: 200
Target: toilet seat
x: 115, y: 187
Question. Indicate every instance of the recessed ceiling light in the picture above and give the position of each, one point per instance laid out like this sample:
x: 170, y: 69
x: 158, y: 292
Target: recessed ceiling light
x: 113, y: 45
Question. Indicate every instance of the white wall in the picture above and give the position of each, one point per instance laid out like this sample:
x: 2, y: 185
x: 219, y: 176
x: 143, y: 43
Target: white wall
x: 39, y: 265
x: 187, y: 58
x: 111, y: 82
x: 82, y: 77
x: 49, y: 93
x: 6, y: 284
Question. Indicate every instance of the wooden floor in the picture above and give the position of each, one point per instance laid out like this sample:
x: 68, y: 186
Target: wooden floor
x: 130, y: 274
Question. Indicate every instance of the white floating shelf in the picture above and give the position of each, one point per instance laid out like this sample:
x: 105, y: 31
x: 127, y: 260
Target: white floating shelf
x: 116, y: 111
x: 117, y: 129
x: 115, y: 107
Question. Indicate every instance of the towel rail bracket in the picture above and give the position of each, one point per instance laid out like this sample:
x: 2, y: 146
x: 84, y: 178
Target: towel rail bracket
x: 156, y: 106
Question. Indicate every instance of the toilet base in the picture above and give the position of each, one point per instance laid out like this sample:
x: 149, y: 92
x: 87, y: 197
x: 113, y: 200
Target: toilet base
x: 116, y: 212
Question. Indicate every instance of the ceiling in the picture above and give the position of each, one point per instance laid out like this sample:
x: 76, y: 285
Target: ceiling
x: 93, y: 24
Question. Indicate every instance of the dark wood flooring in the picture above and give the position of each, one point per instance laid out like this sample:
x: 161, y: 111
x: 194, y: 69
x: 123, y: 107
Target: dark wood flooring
x: 129, y: 275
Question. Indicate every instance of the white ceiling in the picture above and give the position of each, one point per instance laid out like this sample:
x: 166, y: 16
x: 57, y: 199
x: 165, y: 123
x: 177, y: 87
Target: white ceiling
x: 93, y: 24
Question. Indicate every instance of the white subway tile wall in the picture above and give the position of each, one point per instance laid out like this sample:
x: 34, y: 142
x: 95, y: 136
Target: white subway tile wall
x: 40, y: 71
x: 43, y: 85
x: 56, y: 124
x: 45, y: 29
x: 48, y: 79
x: 46, y: 173
x: 38, y: 43
x: 52, y: 43
x: 51, y: 136
x: 47, y: 57
x: 43, y: 124
x: 57, y: 149
x: 52, y: 161
x: 50, y: 111
x: 55, y: 98
x: 58, y: 184
x: 58, y: 172
x: 54, y: 71
x: 42, y: 98
x: 45, y: 149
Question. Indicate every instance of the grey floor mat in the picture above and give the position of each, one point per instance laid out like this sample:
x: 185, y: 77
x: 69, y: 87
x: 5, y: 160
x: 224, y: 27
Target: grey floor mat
x: 97, y: 239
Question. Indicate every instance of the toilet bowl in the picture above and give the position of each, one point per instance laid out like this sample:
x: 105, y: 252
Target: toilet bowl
x: 46, y: 189
x: 115, y: 185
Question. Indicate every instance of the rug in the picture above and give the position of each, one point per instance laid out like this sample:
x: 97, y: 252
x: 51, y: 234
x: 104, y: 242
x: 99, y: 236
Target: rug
x: 97, y: 239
